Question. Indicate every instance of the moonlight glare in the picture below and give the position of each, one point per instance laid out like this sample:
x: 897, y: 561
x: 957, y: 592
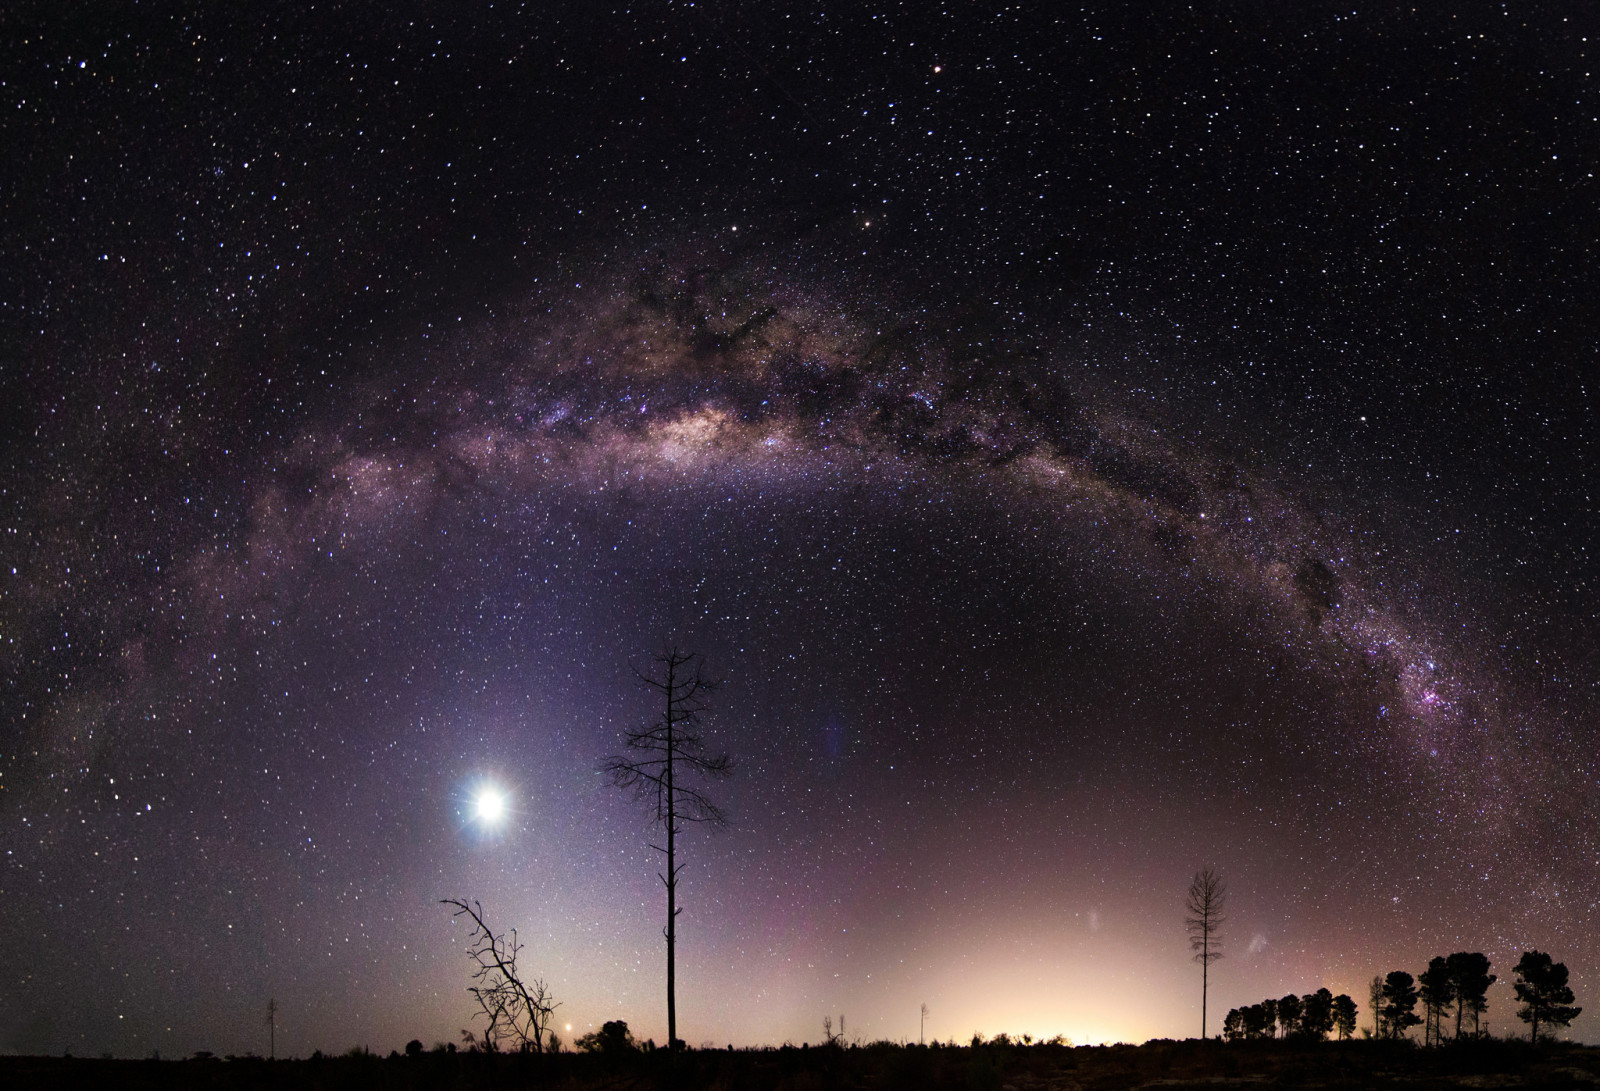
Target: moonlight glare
x: 489, y: 806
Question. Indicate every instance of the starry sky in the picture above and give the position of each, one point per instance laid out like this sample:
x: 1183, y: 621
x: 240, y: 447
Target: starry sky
x: 1091, y: 442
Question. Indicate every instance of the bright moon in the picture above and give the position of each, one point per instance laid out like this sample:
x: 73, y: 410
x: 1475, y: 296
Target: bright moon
x: 491, y: 805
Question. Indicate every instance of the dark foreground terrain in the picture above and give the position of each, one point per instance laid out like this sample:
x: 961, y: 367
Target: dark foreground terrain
x: 881, y: 1067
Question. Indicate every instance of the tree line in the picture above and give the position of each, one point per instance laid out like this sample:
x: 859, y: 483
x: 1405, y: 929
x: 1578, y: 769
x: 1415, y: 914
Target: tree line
x: 1453, y: 985
x: 1311, y: 1017
x: 1456, y: 985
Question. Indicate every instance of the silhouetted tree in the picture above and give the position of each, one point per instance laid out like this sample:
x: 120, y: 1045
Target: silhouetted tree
x: 612, y: 1038
x: 1469, y: 980
x: 1344, y: 1015
x: 1375, y: 1002
x: 1309, y: 1016
x: 1289, y: 1015
x: 1252, y: 1022
x: 663, y: 755
x: 1542, y: 987
x: 519, y: 1012
x: 1437, y: 992
x: 272, y: 1030
x: 1265, y: 1021
x: 1399, y: 1003
x: 1316, y: 1014
x: 1205, y: 905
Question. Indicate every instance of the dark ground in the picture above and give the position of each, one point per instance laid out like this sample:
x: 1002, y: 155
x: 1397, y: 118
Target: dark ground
x: 1164, y: 1064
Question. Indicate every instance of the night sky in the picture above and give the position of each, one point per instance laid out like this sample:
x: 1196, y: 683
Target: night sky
x: 1091, y: 443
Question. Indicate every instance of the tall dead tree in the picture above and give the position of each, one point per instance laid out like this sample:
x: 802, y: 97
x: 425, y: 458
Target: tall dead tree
x: 1205, y: 903
x: 661, y: 756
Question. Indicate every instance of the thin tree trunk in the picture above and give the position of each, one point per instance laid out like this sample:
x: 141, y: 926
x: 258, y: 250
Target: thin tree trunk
x: 672, y: 885
x: 1204, y: 907
x: 652, y: 774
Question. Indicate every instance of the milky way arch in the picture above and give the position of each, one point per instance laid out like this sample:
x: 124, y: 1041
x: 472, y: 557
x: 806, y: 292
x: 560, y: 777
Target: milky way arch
x: 891, y: 499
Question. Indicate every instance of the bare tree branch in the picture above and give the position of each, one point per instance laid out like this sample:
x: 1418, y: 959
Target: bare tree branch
x: 519, y: 1013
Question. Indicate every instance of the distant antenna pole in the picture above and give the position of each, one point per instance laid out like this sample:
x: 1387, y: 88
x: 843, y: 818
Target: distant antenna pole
x: 922, y: 1028
x: 272, y: 1030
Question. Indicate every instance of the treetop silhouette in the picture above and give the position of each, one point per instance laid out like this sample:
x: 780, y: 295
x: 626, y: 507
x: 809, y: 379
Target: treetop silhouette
x: 1542, y: 988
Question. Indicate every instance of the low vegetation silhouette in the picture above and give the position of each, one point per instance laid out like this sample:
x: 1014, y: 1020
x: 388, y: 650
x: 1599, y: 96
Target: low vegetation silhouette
x: 989, y: 1064
x: 613, y: 1038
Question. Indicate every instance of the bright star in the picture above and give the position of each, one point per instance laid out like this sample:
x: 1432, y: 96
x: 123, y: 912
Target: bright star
x: 490, y: 806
